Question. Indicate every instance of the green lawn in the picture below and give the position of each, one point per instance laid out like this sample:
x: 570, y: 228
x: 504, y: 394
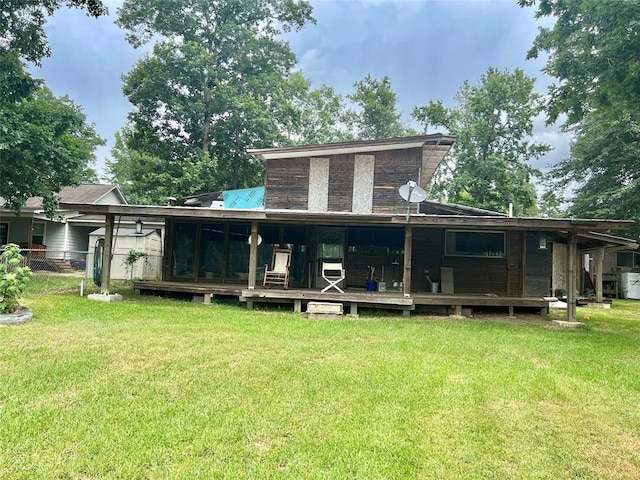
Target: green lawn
x: 153, y: 388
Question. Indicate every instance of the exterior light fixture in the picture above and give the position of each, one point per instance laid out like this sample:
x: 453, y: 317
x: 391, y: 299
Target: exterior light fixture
x: 138, y: 227
x: 543, y: 243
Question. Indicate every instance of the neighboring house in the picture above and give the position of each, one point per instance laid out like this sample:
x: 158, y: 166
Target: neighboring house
x: 341, y: 202
x: 65, y: 239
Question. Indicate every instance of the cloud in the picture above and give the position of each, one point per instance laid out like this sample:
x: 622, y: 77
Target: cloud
x: 426, y: 48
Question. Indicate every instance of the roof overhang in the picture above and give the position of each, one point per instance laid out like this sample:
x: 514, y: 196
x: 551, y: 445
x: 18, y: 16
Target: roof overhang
x: 348, y: 218
x: 362, y: 146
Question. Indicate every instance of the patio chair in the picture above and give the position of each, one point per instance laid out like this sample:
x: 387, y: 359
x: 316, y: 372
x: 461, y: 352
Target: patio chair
x: 278, y: 273
x: 333, y: 273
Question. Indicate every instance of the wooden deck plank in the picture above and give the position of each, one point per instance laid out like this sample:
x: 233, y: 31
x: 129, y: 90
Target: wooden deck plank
x: 355, y: 298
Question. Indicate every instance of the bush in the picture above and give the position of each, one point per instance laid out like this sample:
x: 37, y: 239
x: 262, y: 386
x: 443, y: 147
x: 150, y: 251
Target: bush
x: 13, y: 277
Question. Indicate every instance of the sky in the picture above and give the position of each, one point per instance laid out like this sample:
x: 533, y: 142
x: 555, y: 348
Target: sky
x: 427, y: 48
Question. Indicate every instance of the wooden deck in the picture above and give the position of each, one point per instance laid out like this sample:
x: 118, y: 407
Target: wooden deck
x: 353, y: 298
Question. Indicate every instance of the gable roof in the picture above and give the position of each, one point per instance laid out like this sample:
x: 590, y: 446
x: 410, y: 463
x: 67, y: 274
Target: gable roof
x: 94, y: 194
x: 360, y: 146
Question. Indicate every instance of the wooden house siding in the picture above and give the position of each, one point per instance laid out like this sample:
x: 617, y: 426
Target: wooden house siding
x: 287, y: 180
x: 393, y: 169
x: 341, y: 183
x: 287, y: 184
x: 514, y: 264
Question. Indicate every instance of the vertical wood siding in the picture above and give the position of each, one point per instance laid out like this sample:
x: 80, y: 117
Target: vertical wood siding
x: 341, y: 183
x: 287, y: 184
x: 393, y: 169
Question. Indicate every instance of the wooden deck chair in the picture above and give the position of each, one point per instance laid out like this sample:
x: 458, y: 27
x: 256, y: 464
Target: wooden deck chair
x: 333, y: 273
x: 278, y: 273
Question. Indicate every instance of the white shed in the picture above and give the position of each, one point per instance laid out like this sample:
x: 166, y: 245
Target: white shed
x: 124, y: 241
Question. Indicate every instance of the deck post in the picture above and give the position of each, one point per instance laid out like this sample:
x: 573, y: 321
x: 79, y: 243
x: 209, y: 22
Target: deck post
x: 572, y: 252
x: 253, y: 255
x: 353, y: 308
x: 406, y: 277
x: 599, y: 261
x: 297, y: 306
x: 106, y: 253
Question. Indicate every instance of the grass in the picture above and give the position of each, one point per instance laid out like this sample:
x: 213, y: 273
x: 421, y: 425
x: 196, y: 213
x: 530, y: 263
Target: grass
x: 155, y: 388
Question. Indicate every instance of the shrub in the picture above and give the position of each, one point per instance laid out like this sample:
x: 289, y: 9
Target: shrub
x: 13, y: 277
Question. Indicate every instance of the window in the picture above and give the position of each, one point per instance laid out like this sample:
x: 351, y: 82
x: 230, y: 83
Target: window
x: 628, y: 259
x: 183, y: 251
x: 376, y: 240
x: 4, y: 233
x: 37, y: 233
x: 474, y: 243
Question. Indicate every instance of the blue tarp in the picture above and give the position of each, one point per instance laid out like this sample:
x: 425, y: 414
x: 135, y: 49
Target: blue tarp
x: 244, y: 199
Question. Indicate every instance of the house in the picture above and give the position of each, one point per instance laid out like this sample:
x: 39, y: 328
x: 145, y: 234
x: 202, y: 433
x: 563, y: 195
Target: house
x: 341, y: 203
x: 56, y: 244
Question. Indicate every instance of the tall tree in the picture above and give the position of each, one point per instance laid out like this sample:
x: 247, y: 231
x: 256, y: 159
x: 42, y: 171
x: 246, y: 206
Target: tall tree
x: 45, y: 142
x: 378, y: 115
x: 214, y: 86
x: 592, y: 51
x: 22, y: 24
x: 490, y: 166
x: 604, y: 164
x: 317, y: 116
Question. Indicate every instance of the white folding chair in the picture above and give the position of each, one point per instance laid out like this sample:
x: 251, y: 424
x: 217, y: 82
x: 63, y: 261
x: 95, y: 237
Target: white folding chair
x: 333, y: 273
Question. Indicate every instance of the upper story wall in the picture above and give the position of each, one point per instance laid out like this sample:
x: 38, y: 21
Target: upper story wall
x: 359, y: 177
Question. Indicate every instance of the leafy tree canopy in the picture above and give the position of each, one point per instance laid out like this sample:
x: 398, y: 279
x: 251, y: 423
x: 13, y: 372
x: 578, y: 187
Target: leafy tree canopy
x: 215, y: 85
x: 22, y: 24
x: 493, y: 124
x: 45, y: 142
x: 592, y: 51
x: 378, y: 116
x: 593, y: 54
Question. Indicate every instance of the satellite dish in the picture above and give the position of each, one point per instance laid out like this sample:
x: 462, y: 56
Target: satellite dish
x: 412, y: 193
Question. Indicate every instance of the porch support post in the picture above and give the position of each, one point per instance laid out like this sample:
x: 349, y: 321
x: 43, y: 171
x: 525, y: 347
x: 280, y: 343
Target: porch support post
x: 406, y: 277
x: 599, y: 260
x: 572, y: 252
x: 106, y: 253
x: 253, y: 255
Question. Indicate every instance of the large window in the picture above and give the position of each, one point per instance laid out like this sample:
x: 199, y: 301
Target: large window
x: 211, y: 250
x: 474, y: 243
x: 238, y: 252
x: 628, y: 259
x: 183, y: 253
x: 375, y: 240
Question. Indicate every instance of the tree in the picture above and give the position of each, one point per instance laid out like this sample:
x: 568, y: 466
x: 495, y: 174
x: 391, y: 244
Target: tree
x: 378, y: 116
x: 145, y: 179
x: 214, y: 86
x: 22, y: 24
x: 602, y: 172
x: 45, y: 142
x: 493, y: 124
x: 592, y: 51
x: 316, y: 116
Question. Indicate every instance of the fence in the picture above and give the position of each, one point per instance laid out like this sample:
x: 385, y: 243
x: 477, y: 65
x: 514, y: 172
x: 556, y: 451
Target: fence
x: 80, y: 263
